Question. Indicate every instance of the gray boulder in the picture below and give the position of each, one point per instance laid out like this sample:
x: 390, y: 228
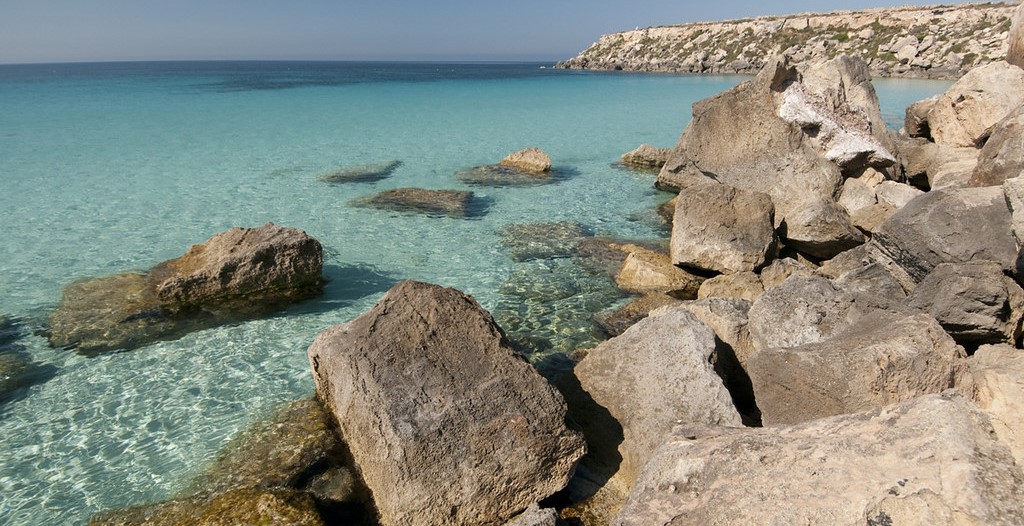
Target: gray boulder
x: 653, y: 376
x: 646, y: 157
x: 1013, y: 191
x: 728, y: 317
x: 998, y: 372
x: 426, y: 389
x: 723, y: 229
x: 535, y: 516
x: 869, y: 366
x: 935, y: 455
x: 780, y: 270
x: 237, y: 274
x: 1002, y: 157
x: 975, y: 302
x: 915, y: 123
x: 857, y: 195
x: 896, y: 195
x: 963, y: 115
x: 451, y: 203
x: 942, y: 226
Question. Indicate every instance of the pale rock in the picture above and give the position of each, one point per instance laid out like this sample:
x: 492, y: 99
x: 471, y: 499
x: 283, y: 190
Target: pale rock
x: 896, y: 195
x: 743, y: 285
x: 1015, y: 54
x: 535, y: 516
x: 728, y: 318
x: 721, y: 228
x: 529, y: 160
x: 820, y: 227
x: 648, y: 271
x: 802, y: 310
x: 867, y: 220
x: 856, y: 195
x: 426, y: 389
x: 980, y: 99
x: 998, y: 372
x: 655, y: 375
x: 780, y: 270
x: 869, y: 366
x: 646, y: 156
x: 1013, y: 190
x: 1002, y: 157
x: 933, y: 460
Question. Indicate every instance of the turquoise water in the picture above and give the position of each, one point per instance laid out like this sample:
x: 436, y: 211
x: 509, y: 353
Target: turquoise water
x: 112, y: 167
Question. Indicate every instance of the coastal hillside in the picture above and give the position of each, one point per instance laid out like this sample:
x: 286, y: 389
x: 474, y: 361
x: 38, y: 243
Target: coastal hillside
x: 942, y: 41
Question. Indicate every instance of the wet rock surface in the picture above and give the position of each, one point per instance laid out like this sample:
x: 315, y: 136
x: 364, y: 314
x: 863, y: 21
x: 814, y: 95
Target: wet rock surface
x: 436, y: 203
x: 366, y: 173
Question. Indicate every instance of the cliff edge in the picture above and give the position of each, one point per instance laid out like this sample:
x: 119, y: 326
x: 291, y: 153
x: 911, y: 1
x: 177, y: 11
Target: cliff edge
x: 942, y: 42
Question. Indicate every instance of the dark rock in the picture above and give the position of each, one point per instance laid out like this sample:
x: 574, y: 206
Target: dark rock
x: 605, y: 255
x: 427, y: 377
x: 366, y: 173
x: 237, y: 274
x: 542, y: 240
x: 498, y: 175
x: 451, y: 203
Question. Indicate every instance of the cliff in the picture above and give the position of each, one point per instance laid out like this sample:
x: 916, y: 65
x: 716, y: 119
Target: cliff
x: 926, y: 42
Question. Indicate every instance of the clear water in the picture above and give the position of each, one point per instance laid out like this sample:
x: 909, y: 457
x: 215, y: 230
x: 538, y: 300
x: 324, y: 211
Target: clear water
x: 112, y: 167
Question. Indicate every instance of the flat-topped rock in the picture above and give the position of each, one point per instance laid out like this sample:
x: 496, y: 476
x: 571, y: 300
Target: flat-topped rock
x: 646, y: 157
x: 237, y: 274
x: 998, y: 372
x: 450, y: 203
x: 649, y: 271
x: 447, y: 423
x: 529, y: 160
x: 932, y: 460
x: 364, y: 173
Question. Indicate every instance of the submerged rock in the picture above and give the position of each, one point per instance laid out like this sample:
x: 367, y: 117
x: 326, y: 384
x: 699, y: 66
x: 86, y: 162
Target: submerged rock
x: 426, y: 377
x: 366, y: 173
x: 646, y: 157
x: 529, y: 160
x: 498, y: 175
x: 17, y: 369
x: 234, y: 507
x: 237, y: 274
x: 887, y: 466
x: 542, y: 240
x: 451, y: 203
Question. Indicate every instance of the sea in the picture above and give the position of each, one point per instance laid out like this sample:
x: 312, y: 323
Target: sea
x: 114, y: 167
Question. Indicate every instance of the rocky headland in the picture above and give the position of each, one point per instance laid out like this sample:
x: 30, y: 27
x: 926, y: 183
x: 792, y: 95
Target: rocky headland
x: 941, y: 41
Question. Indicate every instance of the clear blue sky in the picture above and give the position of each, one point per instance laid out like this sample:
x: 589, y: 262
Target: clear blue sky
x: 543, y: 30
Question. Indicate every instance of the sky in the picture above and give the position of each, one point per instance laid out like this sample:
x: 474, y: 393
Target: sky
x: 472, y: 30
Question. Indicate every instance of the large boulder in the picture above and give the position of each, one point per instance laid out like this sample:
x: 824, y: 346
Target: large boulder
x: 529, y: 160
x: 870, y: 366
x: 721, y: 228
x: 942, y: 226
x: 932, y: 460
x: 804, y: 309
x: 963, y: 115
x: 436, y: 203
x: 820, y: 227
x: 654, y: 375
x: 789, y: 134
x: 1015, y: 54
x: 998, y: 372
x: 1002, y: 157
x: 446, y: 423
x: 649, y: 271
x: 236, y: 274
x: 975, y: 302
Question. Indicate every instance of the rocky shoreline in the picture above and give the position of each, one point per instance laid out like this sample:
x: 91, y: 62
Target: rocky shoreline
x: 831, y: 336
x: 938, y: 42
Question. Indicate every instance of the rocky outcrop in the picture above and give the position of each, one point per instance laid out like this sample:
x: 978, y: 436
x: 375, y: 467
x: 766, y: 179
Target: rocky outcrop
x: 867, y: 367
x: 646, y: 157
x: 723, y: 229
x: 930, y: 42
x: 528, y: 160
x: 932, y: 460
x: 447, y: 424
x: 654, y: 375
x: 237, y: 274
x: 1015, y: 53
x: 366, y: 173
x: 436, y: 203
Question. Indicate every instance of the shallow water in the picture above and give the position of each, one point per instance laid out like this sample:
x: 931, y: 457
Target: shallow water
x: 112, y: 167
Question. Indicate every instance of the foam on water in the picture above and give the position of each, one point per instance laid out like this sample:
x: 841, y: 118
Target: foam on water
x: 113, y: 167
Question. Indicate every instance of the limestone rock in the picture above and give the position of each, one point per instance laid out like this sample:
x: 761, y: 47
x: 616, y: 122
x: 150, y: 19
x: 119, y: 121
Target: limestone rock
x: 1013, y: 190
x: 743, y: 285
x: 728, y: 317
x: 867, y: 367
x: 800, y: 311
x: 646, y: 156
x: 1015, y: 55
x: 616, y: 321
x: 942, y: 226
x: 237, y: 274
x: 366, y: 173
x: 896, y: 195
x: 529, y: 160
x: 723, y: 229
x: 915, y: 123
x: 981, y: 98
x: 780, y: 270
x: 821, y: 228
x: 998, y: 372
x: 857, y: 195
x: 427, y: 377
x: 654, y: 375
x: 241, y: 266
x: 451, y: 203
x: 936, y: 453
x: 526, y: 241
x: 649, y: 271
x: 1002, y: 157
x: 867, y: 220
x: 535, y: 516
x: 975, y: 302
x: 952, y: 167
